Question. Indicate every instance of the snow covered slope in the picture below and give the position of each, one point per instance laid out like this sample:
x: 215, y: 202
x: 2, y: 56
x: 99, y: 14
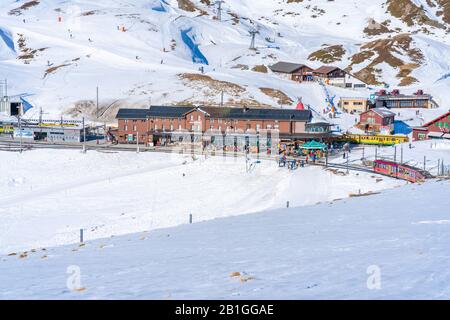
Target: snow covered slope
x: 135, y: 51
x: 389, y: 246
x: 47, y: 196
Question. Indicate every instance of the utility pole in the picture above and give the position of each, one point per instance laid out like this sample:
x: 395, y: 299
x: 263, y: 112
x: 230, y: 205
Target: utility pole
x: 97, y: 102
x: 395, y: 153
x: 424, y: 162
x: 84, y: 137
x: 137, y: 142
x: 253, y: 34
x: 401, y: 154
x: 348, y: 171
x: 20, y: 130
x: 219, y: 9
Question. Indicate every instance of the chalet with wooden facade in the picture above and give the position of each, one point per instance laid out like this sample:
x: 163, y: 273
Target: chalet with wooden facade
x: 293, y: 71
x: 335, y: 76
x: 438, y: 128
x: 377, y: 120
x: 163, y: 123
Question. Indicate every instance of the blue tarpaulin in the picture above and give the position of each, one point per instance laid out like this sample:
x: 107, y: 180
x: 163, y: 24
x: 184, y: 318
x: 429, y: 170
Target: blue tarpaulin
x: 401, y: 128
x: 7, y: 38
x: 26, y: 105
x: 197, y: 55
x: 161, y: 7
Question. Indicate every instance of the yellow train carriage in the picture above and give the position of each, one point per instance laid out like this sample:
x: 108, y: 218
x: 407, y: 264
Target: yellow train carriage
x: 384, y: 140
x: 6, y: 129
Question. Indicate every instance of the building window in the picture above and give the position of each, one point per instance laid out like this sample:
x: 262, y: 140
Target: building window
x: 134, y: 128
x: 192, y: 117
x: 258, y: 127
x: 126, y: 128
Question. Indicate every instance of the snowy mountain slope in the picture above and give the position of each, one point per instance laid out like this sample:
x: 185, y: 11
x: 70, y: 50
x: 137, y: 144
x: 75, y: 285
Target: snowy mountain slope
x: 61, y: 63
x: 389, y: 246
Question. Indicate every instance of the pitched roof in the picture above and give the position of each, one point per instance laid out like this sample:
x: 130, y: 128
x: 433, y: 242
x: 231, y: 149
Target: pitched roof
x: 132, y: 114
x: 325, y: 69
x: 216, y: 112
x: 447, y: 114
x: 384, y: 112
x: 256, y: 114
x: 286, y: 67
x: 169, y: 112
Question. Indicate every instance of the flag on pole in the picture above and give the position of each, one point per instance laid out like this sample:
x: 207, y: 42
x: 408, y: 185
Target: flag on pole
x: 25, y: 105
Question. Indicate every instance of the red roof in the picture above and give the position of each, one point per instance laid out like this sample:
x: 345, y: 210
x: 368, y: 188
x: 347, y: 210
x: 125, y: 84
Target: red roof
x: 437, y: 119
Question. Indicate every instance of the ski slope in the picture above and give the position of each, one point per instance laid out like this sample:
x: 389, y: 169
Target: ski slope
x: 393, y: 245
x: 87, y: 49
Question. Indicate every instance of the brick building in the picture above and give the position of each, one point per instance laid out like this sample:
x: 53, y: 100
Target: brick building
x: 377, y: 120
x: 163, y: 123
x: 438, y: 128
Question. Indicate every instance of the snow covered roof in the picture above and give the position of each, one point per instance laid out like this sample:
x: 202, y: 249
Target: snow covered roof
x: 286, y: 67
x: 384, y: 112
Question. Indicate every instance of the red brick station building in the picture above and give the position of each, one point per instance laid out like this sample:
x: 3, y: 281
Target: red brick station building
x: 161, y: 125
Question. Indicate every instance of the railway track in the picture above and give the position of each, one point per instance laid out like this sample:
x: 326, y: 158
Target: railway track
x: 14, y: 146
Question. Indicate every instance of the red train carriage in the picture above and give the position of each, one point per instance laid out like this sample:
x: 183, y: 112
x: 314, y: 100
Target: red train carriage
x: 400, y: 171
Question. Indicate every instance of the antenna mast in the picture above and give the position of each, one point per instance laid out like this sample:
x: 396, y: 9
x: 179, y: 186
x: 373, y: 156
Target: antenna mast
x: 253, y: 33
x: 219, y: 9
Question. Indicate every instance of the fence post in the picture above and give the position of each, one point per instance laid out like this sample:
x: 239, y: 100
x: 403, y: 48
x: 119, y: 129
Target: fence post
x: 287, y: 204
x: 424, y: 162
x: 81, y: 235
x: 190, y: 218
